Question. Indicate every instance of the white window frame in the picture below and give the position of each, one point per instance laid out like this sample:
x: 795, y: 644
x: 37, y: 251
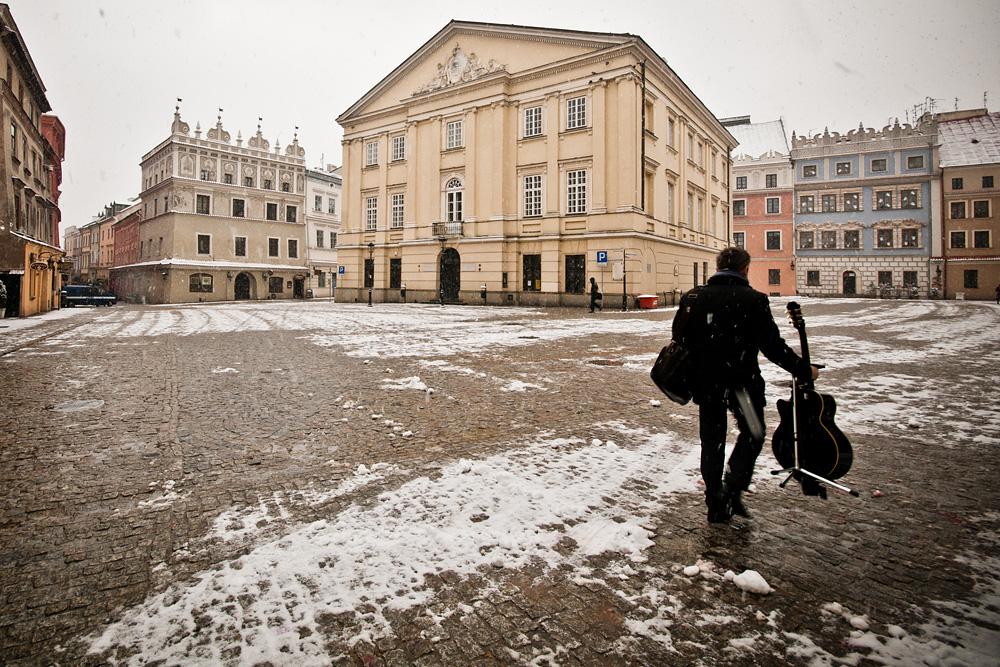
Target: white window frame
x: 533, y: 121
x: 740, y: 239
x: 576, y: 112
x: 454, y: 135
x: 744, y: 213
x: 398, y: 208
x: 371, y: 153
x: 576, y: 191
x: 318, y: 203
x: 454, y: 200
x: 399, y: 148
x: 276, y: 245
x: 371, y: 214
x: 532, y: 189
x: 319, y: 238
x: 236, y: 246
x: 767, y: 205
x: 291, y: 244
x: 670, y: 201
x: 331, y: 206
x: 197, y: 239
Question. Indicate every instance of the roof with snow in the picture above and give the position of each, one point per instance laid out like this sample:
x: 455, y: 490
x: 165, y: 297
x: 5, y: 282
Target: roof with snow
x: 757, y: 139
x: 970, y: 141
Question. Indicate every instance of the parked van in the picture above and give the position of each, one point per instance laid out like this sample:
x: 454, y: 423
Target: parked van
x: 87, y: 295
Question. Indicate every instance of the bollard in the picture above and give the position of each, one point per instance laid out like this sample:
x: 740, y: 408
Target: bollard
x: 482, y: 293
x: 402, y: 293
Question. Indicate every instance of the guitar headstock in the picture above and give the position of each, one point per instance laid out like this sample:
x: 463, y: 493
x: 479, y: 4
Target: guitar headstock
x: 794, y: 311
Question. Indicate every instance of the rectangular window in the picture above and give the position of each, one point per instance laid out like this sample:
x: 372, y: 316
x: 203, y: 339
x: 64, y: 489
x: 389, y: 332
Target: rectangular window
x: 319, y: 238
x: 13, y: 139
x: 532, y: 196
x: 267, y: 184
x: 883, y: 201
x: 576, y: 191
x: 915, y: 162
x: 290, y: 214
x: 371, y: 153
x: 532, y: 273
x: 987, y: 181
x: 275, y: 284
x: 843, y: 168
x: 807, y: 204
x: 271, y: 211
x: 227, y: 179
x: 205, y: 175
x: 331, y: 206
x: 576, y: 274
x: 670, y: 132
x: 809, y: 171
x: 399, y: 148
x: 240, y: 246
x: 773, y: 240
x: 829, y: 203
x: 774, y: 276
x: 238, y: 208
x: 884, y: 238
x: 958, y: 239
x: 885, y: 278
x: 741, y: 182
x: 880, y: 165
x: 739, y: 207
x: 369, y: 273
x: 956, y: 184
x: 957, y: 210
x: 576, y: 113
x: 908, y: 199
x: 852, y: 201
x: 395, y: 272
x: 909, y: 278
x: 200, y: 282
x: 287, y: 187
x: 318, y: 203
x: 981, y: 239
x: 204, y: 244
x: 248, y: 181
x: 321, y: 279
x: 670, y: 202
x: 971, y: 279
x: 272, y: 247
x: 911, y: 238
x: 852, y: 239
x: 398, y: 201
x: 204, y: 204
x: 371, y: 213
x: 532, y: 121
x: 770, y: 180
x: 454, y: 134
x: 740, y: 239
x: 807, y: 240
x: 828, y: 239
x: 812, y: 278
x: 333, y: 239
x: 293, y: 248
x: 981, y: 209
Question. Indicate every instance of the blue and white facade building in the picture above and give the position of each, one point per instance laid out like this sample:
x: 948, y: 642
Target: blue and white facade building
x: 867, y: 209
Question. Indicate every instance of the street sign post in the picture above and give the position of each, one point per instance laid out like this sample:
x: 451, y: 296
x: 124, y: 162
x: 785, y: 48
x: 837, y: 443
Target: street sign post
x: 602, y: 259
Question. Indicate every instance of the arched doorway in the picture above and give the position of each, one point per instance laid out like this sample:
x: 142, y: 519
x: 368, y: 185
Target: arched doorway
x: 241, y: 287
x: 850, y: 283
x: 451, y: 271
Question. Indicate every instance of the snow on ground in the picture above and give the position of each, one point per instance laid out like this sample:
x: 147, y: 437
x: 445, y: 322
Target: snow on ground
x: 502, y: 512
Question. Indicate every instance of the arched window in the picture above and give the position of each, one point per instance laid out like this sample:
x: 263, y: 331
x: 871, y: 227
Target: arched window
x: 453, y: 200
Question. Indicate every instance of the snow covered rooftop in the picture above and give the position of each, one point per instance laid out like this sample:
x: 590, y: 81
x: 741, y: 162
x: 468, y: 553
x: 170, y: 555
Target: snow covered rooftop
x: 757, y: 139
x: 970, y: 141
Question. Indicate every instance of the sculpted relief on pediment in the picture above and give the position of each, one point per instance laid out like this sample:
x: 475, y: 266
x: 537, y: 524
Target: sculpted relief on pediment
x: 460, y: 68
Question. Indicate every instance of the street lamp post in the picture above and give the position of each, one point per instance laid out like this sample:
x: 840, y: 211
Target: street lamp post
x: 371, y: 276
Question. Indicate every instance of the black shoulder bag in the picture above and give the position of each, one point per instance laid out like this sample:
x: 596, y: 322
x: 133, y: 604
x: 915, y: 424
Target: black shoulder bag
x: 672, y: 368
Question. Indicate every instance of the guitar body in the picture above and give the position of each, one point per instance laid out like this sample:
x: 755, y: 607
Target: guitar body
x: 823, y: 448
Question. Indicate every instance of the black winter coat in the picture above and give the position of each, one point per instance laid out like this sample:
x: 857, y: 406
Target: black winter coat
x: 729, y: 325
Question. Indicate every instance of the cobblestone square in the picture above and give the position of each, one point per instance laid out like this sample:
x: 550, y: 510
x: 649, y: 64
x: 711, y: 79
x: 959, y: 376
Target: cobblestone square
x: 314, y: 483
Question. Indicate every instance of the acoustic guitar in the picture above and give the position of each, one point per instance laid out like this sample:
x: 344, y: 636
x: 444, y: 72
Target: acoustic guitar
x: 823, y: 449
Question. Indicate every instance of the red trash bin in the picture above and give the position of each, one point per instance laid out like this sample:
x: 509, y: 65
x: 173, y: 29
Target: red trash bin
x: 648, y: 301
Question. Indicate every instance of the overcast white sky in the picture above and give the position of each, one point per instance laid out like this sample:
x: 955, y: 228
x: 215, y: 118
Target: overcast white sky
x: 113, y: 69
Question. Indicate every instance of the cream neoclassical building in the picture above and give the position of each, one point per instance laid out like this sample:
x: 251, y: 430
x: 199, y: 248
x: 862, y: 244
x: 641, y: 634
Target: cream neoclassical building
x: 517, y: 159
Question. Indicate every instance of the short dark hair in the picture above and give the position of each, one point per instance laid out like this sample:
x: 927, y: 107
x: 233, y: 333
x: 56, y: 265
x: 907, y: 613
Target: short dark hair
x: 732, y: 259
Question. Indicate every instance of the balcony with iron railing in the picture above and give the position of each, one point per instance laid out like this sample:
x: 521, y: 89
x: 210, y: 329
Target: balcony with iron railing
x: 447, y: 228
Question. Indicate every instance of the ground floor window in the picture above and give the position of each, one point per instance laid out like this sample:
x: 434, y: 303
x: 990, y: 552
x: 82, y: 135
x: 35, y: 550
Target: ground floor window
x: 201, y: 282
x: 971, y: 279
x: 321, y: 279
x: 369, y: 273
x: 532, y: 273
x: 774, y: 276
x: 909, y: 278
x: 395, y: 272
x: 885, y: 278
x: 275, y: 284
x: 576, y: 274
x: 812, y: 278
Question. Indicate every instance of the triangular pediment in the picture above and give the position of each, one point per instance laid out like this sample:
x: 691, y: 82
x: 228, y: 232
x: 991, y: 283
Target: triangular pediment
x: 465, y: 52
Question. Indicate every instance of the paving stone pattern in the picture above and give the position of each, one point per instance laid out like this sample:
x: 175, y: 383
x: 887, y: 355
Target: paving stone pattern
x: 84, y: 520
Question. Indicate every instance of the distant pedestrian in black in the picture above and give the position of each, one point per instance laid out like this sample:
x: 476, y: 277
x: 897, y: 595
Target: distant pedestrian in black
x: 729, y: 325
x: 998, y: 293
x: 595, y: 295
x: 3, y: 299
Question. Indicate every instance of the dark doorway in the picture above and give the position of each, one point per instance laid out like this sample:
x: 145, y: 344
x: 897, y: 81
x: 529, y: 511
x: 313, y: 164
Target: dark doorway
x: 576, y: 274
x: 241, y: 287
x: 395, y: 273
x: 850, y: 283
x: 298, y: 287
x: 451, y: 272
x: 13, y: 284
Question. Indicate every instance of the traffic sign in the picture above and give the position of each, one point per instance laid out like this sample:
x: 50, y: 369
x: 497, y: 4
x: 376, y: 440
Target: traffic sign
x: 602, y: 258
x: 340, y: 270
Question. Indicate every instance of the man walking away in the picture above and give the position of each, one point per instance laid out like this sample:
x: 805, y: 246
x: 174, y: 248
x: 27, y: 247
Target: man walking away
x: 729, y: 325
x: 595, y: 295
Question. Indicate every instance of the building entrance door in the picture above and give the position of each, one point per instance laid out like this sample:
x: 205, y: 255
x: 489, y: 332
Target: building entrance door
x: 241, y: 287
x: 451, y: 268
x: 298, y: 287
x: 850, y: 283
